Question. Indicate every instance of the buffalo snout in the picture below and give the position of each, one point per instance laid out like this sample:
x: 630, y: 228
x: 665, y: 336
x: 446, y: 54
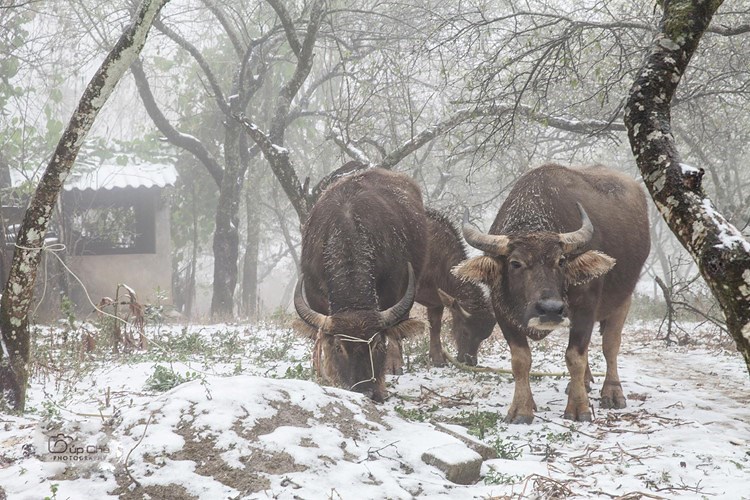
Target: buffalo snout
x: 550, y: 310
x: 548, y: 314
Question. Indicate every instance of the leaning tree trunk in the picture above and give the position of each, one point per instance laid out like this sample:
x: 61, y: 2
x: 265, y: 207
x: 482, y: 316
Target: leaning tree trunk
x: 720, y: 250
x: 19, y: 290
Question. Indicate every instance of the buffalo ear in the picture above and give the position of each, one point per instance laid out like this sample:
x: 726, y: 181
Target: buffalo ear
x: 482, y: 269
x: 405, y: 329
x: 304, y: 330
x: 587, y: 266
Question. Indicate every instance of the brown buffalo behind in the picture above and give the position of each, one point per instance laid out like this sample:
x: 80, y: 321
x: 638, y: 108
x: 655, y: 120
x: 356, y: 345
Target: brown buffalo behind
x: 364, y: 236
x: 566, y: 249
x: 439, y: 289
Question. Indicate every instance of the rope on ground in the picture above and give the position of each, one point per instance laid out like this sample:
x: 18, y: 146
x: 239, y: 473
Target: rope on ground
x: 504, y: 371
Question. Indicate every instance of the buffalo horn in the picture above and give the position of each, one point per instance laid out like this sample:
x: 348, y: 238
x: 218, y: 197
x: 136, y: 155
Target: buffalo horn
x: 453, y: 303
x: 576, y: 239
x: 493, y: 244
x: 395, y: 313
x: 312, y: 318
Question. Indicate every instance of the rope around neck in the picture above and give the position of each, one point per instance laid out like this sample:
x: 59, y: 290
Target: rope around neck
x: 349, y: 338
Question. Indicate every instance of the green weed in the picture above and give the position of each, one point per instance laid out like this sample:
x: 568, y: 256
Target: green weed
x: 506, y: 449
x: 477, y: 422
x: 495, y: 477
x: 416, y: 414
x: 298, y: 372
x: 164, y: 379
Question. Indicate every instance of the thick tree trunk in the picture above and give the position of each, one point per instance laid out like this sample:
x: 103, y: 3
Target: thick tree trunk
x: 719, y: 249
x: 14, y: 307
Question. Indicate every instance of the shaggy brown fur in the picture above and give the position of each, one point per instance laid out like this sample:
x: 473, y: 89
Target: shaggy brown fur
x: 539, y: 281
x: 438, y: 288
x: 356, y: 246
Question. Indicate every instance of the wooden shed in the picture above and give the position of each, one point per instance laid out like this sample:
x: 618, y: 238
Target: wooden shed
x: 116, y: 229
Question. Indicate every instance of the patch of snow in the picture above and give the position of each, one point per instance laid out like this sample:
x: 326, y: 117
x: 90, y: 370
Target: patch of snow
x: 729, y: 235
x: 683, y: 434
x: 689, y: 170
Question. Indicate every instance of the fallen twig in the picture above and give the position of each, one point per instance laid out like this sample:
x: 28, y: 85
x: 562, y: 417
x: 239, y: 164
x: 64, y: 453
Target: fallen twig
x: 448, y: 401
x: 633, y: 495
x: 127, y: 457
x: 570, y: 428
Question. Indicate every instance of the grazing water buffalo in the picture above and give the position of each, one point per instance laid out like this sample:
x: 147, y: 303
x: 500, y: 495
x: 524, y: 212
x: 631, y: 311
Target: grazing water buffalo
x: 363, y: 248
x: 566, y: 249
x: 438, y: 288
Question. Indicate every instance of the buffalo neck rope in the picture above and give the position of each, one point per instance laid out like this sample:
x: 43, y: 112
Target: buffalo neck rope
x: 349, y: 338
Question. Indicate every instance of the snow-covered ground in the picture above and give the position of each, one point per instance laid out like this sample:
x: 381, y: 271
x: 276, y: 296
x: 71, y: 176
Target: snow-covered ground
x: 249, y: 423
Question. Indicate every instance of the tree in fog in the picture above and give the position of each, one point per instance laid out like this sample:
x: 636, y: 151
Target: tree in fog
x: 19, y: 289
x: 720, y: 250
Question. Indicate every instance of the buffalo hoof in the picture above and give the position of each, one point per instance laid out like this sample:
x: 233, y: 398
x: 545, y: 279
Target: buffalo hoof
x: 612, y: 402
x: 468, y: 360
x: 612, y: 396
x: 519, y: 419
x: 580, y: 417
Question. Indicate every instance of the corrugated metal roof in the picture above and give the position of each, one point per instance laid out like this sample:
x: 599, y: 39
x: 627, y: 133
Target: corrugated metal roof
x: 122, y: 176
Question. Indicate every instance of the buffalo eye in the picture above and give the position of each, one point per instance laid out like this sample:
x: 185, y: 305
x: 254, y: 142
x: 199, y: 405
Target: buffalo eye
x: 562, y: 261
x: 516, y: 264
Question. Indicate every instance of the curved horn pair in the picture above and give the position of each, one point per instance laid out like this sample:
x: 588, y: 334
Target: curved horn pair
x: 388, y: 318
x: 497, y: 244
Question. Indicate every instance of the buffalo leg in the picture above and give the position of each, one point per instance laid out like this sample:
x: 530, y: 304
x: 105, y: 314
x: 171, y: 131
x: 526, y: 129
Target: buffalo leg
x: 612, y: 395
x: 589, y: 379
x: 435, y: 317
x: 577, y: 359
x: 522, y: 407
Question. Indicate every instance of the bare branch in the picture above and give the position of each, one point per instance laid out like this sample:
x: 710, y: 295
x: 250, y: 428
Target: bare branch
x: 193, y: 51
x: 301, y: 71
x: 228, y: 28
x: 281, y: 165
x: 174, y: 136
x: 288, y: 24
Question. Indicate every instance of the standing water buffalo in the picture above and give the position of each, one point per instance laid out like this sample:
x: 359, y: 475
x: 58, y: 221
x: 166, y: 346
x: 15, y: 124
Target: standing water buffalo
x: 566, y: 249
x: 438, y: 288
x: 363, y: 248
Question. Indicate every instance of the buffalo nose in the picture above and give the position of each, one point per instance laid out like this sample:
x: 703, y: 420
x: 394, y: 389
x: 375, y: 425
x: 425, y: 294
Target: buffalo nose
x: 549, y: 307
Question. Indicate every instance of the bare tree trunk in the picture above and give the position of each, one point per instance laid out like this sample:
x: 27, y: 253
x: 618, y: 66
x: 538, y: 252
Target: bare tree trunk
x: 252, y: 247
x: 15, y: 303
x: 720, y: 250
x: 226, y: 235
x: 190, y: 285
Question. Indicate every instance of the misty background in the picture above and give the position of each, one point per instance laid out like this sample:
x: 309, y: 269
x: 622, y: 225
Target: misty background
x: 463, y: 96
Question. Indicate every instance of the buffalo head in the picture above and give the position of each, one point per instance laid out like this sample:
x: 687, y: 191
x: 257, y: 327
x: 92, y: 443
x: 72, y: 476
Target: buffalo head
x: 470, y: 327
x: 352, y: 344
x: 530, y: 273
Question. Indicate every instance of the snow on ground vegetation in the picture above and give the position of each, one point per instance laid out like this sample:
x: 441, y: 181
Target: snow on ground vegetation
x: 233, y: 411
